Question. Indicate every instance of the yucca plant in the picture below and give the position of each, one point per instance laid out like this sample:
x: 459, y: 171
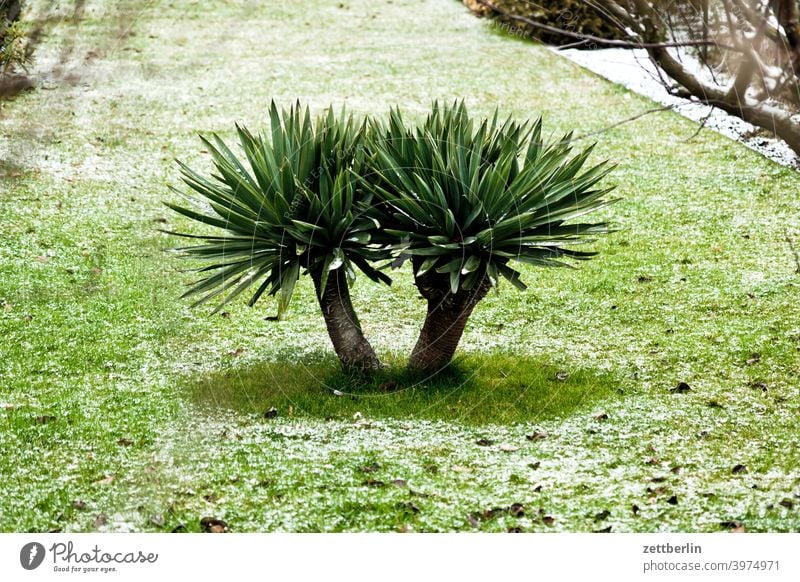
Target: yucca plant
x: 465, y: 200
x: 293, y: 207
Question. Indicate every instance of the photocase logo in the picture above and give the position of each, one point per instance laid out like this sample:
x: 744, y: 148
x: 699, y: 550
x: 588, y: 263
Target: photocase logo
x: 32, y: 555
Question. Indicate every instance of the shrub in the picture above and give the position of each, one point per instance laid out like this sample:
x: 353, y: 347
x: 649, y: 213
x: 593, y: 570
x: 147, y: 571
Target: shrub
x: 576, y: 16
x: 13, y: 50
x: 464, y: 200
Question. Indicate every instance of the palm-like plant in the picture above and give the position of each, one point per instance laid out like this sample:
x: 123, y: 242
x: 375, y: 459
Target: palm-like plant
x: 295, y: 208
x: 463, y: 202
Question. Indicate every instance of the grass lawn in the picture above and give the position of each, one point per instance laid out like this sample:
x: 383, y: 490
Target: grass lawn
x: 121, y: 409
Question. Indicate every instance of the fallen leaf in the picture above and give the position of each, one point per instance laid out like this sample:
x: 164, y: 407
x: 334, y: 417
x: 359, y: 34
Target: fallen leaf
x: 107, y: 480
x: 494, y: 512
x: 213, y: 525
x: 754, y: 358
x: 681, y: 388
x: 602, y: 515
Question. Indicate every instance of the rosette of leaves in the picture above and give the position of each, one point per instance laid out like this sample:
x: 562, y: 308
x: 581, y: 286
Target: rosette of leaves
x: 465, y: 200
x: 292, y: 206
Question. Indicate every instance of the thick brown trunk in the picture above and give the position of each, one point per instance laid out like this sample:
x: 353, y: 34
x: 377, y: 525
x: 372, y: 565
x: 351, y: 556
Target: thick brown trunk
x: 444, y: 324
x: 344, y: 329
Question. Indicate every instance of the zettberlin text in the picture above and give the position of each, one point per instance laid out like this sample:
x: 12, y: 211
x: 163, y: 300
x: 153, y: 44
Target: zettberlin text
x: 687, y: 548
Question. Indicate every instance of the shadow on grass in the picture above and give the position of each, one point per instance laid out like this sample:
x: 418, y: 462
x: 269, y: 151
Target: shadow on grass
x: 476, y: 389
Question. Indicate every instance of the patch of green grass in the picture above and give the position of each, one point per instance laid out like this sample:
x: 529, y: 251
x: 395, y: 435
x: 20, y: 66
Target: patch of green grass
x: 493, y: 388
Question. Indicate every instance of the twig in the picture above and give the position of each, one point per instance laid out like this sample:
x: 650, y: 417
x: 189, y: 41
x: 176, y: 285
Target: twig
x: 624, y: 121
x: 576, y: 44
x: 702, y: 124
x: 602, y: 41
